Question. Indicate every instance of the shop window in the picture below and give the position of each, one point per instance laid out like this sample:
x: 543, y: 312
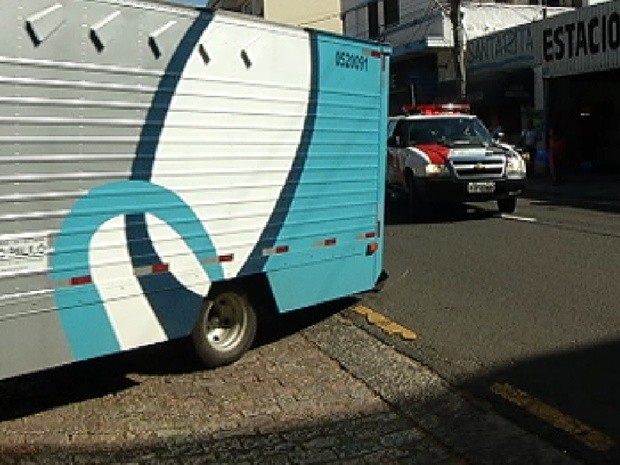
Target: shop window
x: 391, y: 12
x: 373, y: 20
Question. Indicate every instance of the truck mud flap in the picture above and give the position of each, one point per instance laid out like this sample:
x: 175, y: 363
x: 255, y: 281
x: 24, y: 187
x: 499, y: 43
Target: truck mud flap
x: 383, y: 276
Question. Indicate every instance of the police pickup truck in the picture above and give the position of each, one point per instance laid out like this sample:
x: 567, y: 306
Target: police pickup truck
x: 442, y: 153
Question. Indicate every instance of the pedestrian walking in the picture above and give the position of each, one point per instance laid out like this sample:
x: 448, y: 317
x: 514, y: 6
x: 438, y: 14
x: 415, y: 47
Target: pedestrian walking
x: 528, y: 140
x: 556, y: 149
x: 497, y: 131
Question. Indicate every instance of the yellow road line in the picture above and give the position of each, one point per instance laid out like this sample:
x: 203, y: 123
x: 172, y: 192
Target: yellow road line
x: 577, y: 429
x: 384, y: 323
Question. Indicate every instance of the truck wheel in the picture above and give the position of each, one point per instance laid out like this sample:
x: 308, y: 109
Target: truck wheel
x: 508, y: 205
x: 225, y: 329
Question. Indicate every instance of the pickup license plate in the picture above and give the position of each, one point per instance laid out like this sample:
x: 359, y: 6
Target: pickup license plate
x: 480, y: 187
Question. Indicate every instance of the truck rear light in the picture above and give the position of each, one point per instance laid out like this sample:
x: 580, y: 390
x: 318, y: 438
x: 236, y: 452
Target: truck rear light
x: 371, y: 248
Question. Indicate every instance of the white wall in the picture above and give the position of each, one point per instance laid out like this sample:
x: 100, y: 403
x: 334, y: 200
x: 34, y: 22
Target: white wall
x: 419, y: 19
x: 316, y: 14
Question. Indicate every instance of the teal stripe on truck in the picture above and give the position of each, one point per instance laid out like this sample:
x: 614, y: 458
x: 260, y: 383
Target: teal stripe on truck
x: 337, y: 155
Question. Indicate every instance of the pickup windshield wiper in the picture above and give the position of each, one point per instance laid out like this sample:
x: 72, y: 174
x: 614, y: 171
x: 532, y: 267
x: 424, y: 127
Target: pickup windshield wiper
x: 495, y: 148
x: 467, y: 142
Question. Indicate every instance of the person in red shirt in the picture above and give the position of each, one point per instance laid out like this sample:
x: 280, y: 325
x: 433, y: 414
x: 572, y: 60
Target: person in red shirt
x: 556, y: 149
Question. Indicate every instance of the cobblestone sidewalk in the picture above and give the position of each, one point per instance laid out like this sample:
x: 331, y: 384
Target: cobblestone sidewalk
x: 328, y: 394
x: 286, y: 402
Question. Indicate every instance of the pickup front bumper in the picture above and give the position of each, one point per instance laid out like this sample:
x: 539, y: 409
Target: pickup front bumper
x: 451, y: 190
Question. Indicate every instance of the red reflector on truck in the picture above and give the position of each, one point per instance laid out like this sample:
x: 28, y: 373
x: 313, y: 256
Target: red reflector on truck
x: 326, y: 242
x: 275, y: 250
x: 80, y: 280
x: 371, y: 53
x: 219, y: 259
x: 160, y: 268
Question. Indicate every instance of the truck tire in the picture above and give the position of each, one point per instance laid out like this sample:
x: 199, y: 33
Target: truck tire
x: 225, y: 329
x: 508, y: 205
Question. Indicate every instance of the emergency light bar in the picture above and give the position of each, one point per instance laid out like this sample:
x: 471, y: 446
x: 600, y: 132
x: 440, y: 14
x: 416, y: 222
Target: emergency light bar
x: 436, y: 108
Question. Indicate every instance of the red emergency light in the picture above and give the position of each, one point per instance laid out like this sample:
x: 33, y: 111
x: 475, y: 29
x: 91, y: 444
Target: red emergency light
x: 436, y: 108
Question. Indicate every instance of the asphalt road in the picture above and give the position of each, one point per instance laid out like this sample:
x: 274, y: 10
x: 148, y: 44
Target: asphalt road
x: 523, y: 312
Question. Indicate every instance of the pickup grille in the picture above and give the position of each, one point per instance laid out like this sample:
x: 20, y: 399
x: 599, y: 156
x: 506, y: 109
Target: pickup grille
x: 478, y: 168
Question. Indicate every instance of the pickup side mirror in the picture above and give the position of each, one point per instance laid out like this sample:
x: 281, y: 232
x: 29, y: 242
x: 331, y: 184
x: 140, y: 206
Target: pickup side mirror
x: 394, y: 141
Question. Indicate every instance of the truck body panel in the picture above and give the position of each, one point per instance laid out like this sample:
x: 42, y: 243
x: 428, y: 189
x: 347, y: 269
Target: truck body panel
x: 149, y: 150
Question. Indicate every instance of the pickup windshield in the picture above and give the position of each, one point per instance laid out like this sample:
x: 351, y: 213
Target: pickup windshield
x: 450, y: 131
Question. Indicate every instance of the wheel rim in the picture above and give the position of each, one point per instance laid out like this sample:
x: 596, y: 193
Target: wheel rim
x: 226, y: 322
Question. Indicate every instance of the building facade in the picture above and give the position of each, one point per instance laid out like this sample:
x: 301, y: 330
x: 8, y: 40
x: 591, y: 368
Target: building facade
x: 420, y: 32
x: 317, y: 14
x: 555, y: 65
x: 563, y: 73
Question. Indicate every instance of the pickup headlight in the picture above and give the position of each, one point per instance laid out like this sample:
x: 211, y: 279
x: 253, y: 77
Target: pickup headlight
x: 515, y: 167
x: 436, y: 170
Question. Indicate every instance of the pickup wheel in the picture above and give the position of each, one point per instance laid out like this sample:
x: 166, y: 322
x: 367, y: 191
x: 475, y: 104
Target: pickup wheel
x: 413, y: 202
x: 508, y: 205
x: 225, y: 329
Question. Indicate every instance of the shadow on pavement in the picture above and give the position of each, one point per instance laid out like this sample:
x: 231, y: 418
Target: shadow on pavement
x: 377, y: 436
x: 570, y: 398
x: 285, y: 402
x: 275, y: 327
x: 307, y: 410
x: 56, y: 387
x: 37, y: 392
x: 597, y: 191
x: 600, y: 205
x: 396, y: 213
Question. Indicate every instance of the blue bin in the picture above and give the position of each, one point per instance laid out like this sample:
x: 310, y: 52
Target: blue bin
x: 541, y: 155
x: 540, y: 162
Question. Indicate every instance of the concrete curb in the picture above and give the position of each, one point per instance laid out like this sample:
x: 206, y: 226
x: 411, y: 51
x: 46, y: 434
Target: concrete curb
x: 476, y: 435
x: 577, y: 186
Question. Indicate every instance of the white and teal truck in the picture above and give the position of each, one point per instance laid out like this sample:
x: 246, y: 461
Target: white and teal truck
x: 169, y: 171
